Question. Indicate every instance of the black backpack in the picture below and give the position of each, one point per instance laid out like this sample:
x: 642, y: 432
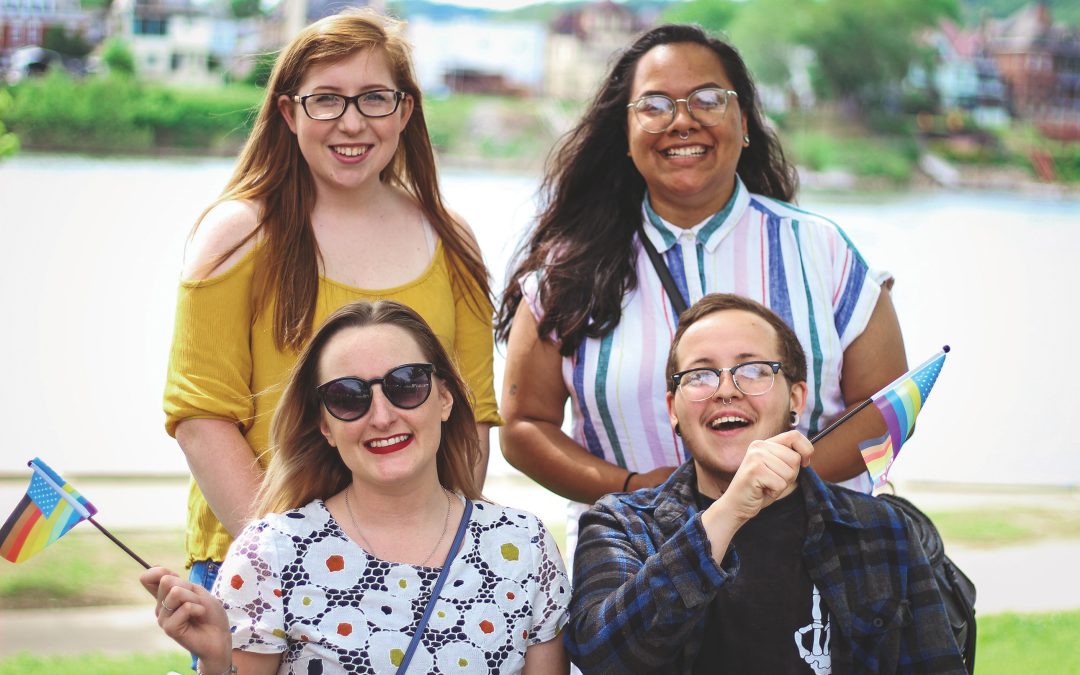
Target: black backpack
x: 957, y: 591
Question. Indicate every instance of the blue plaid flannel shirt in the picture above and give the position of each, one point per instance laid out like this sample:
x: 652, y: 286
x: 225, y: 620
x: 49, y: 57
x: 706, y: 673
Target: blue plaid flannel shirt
x: 644, y: 578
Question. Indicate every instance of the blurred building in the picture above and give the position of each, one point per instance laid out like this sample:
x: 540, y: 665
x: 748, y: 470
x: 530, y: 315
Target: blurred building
x: 181, y: 42
x: 466, y: 55
x: 24, y: 22
x: 581, y: 44
x: 1039, y: 62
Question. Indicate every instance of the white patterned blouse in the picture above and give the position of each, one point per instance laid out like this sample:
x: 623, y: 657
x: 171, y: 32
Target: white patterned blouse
x: 294, y: 583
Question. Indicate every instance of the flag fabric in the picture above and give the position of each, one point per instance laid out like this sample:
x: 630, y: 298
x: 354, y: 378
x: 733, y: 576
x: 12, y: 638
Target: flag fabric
x: 47, y: 511
x: 899, y: 404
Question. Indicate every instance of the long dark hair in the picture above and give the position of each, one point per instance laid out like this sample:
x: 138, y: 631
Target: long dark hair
x: 592, y: 193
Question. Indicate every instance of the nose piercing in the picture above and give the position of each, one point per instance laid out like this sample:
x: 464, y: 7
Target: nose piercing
x: 727, y: 401
x: 684, y: 136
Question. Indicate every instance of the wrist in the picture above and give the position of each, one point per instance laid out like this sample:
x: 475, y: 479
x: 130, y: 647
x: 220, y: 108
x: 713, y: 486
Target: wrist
x: 215, y: 667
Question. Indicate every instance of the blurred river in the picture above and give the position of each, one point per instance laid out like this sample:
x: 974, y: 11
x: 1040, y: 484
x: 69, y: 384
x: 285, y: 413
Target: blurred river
x: 92, y: 249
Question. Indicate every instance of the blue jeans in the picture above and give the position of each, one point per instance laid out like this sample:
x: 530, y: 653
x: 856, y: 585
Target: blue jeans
x: 204, y: 573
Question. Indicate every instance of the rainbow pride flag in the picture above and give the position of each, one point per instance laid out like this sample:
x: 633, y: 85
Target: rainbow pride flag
x: 899, y: 403
x: 47, y: 511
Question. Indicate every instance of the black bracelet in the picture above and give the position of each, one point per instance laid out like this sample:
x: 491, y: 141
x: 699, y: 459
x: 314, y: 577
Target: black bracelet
x: 626, y: 483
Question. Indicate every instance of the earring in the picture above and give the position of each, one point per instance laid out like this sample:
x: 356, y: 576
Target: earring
x: 678, y: 431
x: 746, y: 139
x: 794, y: 419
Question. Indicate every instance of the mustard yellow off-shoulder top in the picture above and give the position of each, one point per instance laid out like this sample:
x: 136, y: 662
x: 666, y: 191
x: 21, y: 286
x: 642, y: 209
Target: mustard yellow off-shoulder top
x: 224, y: 364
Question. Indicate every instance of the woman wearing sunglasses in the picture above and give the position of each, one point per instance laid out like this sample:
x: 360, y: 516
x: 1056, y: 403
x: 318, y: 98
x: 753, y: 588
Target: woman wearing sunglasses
x: 674, y: 153
x: 371, y: 523
x: 334, y: 199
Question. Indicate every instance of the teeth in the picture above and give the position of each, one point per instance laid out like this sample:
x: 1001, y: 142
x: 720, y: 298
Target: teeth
x: 350, y: 151
x: 388, y: 441
x: 715, y: 424
x: 691, y: 151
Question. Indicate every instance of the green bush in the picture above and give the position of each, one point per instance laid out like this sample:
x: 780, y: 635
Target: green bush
x: 115, y: 113
x: 118, y: 56
x: 9, y: 142
x: 891, y: 158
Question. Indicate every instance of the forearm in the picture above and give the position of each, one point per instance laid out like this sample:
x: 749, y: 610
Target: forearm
x: 837, y: 456
x: 224, y: 466
x: 629, y: 614
x: 483, y: 433
x: 541, y: 450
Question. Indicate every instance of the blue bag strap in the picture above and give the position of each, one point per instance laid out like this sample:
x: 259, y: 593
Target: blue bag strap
x: 451, y: 554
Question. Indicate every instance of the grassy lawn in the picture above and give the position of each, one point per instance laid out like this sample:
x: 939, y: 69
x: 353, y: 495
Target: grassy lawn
x: 1028, y: 643
x: 86, y: 569
x: 1004, y: 526
x: 97, y: 664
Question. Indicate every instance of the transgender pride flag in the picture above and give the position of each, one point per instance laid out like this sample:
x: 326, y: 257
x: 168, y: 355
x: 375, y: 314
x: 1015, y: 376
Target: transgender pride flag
x: 47, y: 511
x: 899, y: 403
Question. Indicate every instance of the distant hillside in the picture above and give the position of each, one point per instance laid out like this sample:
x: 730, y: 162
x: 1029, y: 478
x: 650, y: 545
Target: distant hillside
x: 1063, y: 11
x: 541, y: 11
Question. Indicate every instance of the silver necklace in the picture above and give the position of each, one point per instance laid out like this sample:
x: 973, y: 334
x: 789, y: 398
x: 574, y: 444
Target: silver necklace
x: 368, y: 547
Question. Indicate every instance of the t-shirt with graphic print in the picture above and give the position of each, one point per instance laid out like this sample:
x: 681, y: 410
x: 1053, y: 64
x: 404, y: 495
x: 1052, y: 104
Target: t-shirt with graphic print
x: 770, y: 618
x: 294, y: 583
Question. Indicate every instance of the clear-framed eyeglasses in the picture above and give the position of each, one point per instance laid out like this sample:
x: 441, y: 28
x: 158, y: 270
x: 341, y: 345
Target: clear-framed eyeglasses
x: 376, y: 103
x: 753, y: 378
x: 655, y: 113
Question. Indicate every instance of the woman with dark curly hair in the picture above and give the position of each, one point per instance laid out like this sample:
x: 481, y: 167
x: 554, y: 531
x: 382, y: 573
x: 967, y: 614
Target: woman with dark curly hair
x: 674, y: 152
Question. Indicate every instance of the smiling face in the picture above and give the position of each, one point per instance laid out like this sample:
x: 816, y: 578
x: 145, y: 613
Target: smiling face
x: 716, y: 433
x: 691, y: 178
x: 352, y: 150
x: 388, y: 445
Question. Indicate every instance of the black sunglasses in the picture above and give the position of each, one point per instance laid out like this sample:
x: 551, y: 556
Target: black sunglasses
x: 349, y: 398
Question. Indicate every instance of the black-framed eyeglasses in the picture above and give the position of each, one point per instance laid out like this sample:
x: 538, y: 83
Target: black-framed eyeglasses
x: 753, y: 378
x: 655, y: 113
x: 375, y: 103
x: 349, y: 398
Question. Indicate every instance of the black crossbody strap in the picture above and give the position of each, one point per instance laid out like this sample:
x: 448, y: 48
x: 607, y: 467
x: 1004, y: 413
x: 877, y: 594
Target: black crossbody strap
x: 454, y: 548
x: 673, y: 293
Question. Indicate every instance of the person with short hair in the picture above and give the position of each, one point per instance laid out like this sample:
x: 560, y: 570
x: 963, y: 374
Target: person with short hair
x: 744, y: 560
x: 372, y: 475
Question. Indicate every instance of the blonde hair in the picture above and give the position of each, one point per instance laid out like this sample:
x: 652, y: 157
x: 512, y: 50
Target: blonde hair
x: 272, y: 171
x: 305, y: 467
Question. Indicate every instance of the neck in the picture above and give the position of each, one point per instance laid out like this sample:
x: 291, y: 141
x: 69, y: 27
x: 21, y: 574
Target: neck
x: 353, y: 200
x: 688, y: 212
x: 398, y: 505
x: 710, y: 483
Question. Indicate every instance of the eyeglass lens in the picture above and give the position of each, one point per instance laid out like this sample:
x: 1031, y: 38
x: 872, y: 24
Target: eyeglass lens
x: 378, y: 103
x: 752, y: 379
x: 349, y: 398
x: 656, y: 113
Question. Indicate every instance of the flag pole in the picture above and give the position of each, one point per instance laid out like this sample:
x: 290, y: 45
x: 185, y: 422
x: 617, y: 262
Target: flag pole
x: 119, y: 543
x: 848, y: 415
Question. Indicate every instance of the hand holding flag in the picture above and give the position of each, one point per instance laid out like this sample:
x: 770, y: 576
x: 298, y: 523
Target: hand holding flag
x: 899, y: 404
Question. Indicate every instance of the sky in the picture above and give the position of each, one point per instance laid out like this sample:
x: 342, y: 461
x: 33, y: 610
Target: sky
x: 494, y: 4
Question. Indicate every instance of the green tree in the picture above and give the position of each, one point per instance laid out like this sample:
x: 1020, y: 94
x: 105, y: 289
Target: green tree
x: 9, y: 142
x: 70, y: 44
x: 765, y: 43
x: 712, y: 15
x: 864, y: 48
x: 243, y: 9
x: 118, y: 57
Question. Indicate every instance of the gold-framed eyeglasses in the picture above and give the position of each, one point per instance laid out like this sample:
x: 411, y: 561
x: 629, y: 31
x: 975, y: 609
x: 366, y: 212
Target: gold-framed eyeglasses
x: 753, y: 378
x: 655, y: 113
x: 375, y: 103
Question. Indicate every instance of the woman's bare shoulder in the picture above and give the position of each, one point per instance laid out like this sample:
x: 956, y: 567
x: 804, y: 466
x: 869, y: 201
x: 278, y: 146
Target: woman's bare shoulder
x: 223, y: 227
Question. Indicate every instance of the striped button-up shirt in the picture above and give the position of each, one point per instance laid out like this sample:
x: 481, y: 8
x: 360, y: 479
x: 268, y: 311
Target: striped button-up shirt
x: 800, y: 265
x: 644, y: 580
